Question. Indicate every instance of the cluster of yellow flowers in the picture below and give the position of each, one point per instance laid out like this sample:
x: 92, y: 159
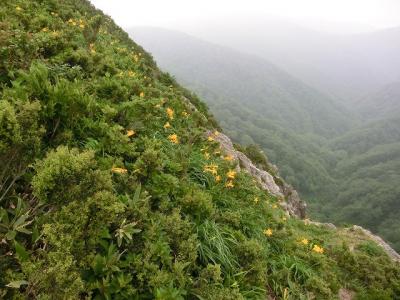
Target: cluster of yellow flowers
x: 92, y: 49
x: 268, y: 232
x: 304, y: 241
x: 231, y: 176
x: 119, y: 170
x: 130, y: 133
x: 207, y: 155
x: 80, y: 23
x: 122, y: 50
x: 170, y: 113
x: 318, y: 249
x: 228, y: 157
x: 315, y: 248
x: 212, y: 168
x: 173, y: 138
x: 54, y: 14
x: 136, y: 57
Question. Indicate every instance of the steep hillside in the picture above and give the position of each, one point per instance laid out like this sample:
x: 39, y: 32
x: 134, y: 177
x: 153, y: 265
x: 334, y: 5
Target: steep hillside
x: 383, y: 104
x: 248, y: 80
x: 368, y: 177
x: 256, y: 102
x: 114, y: 183
x: 347, y: 66
x: 343, y: 175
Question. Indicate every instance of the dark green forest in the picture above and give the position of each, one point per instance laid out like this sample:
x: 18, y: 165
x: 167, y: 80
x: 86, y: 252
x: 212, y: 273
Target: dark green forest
x: 344, y: 163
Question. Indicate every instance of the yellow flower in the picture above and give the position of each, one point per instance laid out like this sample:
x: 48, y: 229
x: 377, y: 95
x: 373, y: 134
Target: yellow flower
x: 284, y: 219
x: 119, y: 170
x: 185, y: 114
x: 318, y: 249
x: 228, y: 157
x: 45, y: 29
x: 210, y: 139
x: 213, y: 169
x: 167, y: 125
x: 17, y: 8
x: 135, y: 58
x: 274, y: 206
x: 141, y: 95
x: 207, y: 155
x: 173, y: 138
x: 131, y: 73
x: 130, y: 133
x: 82, y: 26
x: 256, y: 200
x: 268, y: 232
x: 218, y: 178
x: 170, y: 113
x: 216, y: 133
x: 74, y: 23
x: 70, y: 21
x: 229, y: 184
x: 231, y: 174
x: 304, y: 241
x: 93, y: 50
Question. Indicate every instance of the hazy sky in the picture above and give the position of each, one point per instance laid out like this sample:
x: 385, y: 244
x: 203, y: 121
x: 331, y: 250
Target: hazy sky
x: 354, y: 15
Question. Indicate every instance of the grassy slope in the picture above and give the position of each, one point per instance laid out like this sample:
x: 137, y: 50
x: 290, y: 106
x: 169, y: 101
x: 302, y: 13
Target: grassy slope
x: 255, y: 102
x: 100, y: 198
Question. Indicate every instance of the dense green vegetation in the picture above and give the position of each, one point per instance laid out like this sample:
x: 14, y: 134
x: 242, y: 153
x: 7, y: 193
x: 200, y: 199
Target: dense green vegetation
x: 345, y: 166
x: 105, y: 191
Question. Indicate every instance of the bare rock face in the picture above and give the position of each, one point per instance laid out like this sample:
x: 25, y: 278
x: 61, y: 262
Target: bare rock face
x: 274, y: 185
x: 389, y: 250
x: 345, y: 294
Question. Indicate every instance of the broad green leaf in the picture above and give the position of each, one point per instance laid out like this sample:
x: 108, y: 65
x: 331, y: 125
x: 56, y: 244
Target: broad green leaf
x: 17, y: 284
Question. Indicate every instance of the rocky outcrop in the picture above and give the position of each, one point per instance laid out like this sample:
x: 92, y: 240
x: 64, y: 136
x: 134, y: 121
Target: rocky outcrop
x: 389, y: 250
x: 292, y: 203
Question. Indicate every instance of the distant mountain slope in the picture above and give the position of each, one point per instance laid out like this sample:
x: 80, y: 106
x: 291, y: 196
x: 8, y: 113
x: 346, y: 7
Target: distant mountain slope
x: 344, y: 168
x: 384, y: 103
x: 256, y: 102
x: 347, y: 66
x: 262, y: 87
x: 368, y: 179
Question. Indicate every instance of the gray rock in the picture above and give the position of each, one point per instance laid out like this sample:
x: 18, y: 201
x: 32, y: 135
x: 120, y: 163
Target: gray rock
x: 389, y: 250
x: 292, y: 204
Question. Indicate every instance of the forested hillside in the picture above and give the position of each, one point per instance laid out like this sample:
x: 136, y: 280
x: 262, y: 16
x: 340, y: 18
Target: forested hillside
x: 382, y: 104
x: 348, y: 66
x: 344, y: 164
x: 256, y: 102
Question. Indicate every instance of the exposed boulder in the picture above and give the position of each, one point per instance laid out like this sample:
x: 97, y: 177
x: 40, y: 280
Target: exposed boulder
x: 389, y: 250
x: 292, y: 203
